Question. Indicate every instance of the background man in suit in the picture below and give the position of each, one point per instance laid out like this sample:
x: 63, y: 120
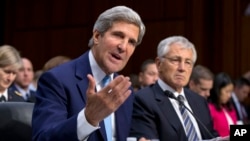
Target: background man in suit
x: 23, y: 82
x: 71, y: 102
x: 155, y: 114
x: 148, y: 74
x: 239, y: 95
x: 201, y: 81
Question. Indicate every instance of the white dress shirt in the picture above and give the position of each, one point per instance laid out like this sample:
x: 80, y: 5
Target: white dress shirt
x: 82, y: 123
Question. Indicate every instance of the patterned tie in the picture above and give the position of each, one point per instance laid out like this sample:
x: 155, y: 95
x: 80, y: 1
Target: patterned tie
x: 107, y: 120
x: 2, y: 99
x: 190, y: 130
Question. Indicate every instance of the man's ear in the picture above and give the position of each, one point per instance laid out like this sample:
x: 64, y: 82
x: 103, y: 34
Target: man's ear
x: 158, y: 62
x: 96, y: 35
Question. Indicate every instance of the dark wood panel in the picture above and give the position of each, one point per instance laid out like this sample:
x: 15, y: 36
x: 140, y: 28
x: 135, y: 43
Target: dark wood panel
x: 245, y: 49
x: 40, y: 46
x: 31, y: 14
x: 230, y: 55
x: 33, y: 45
x: 43, y: 29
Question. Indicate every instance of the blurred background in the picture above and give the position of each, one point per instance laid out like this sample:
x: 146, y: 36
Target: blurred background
x: 42, y: 29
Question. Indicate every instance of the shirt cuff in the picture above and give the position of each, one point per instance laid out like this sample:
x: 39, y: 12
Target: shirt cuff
x: 84, y: 129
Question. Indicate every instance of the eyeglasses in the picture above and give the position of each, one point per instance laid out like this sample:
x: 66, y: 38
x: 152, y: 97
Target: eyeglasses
x: 178, y: 60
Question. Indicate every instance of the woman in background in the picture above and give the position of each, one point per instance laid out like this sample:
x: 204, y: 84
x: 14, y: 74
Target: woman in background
x: 221, y: 109
x: 10, y: 62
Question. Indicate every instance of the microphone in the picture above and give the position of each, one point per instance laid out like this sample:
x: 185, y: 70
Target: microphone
x: 181, y: 103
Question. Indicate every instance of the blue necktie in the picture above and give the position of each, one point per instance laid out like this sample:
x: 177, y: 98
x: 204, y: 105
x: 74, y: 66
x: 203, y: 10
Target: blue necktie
x: 107, y: 120
x: 189, y: 127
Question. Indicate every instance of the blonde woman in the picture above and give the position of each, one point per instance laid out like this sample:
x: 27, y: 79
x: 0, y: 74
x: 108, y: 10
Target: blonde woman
x: 10, y: 62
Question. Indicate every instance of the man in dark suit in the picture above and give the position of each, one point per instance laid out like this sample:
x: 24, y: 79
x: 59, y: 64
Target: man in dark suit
x: 156, y: 113
x: 239, y: 95
x: 71, y: 101
x: 148, y: 73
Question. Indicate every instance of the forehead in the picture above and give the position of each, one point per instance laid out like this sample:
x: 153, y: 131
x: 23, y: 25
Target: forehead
x: 9, y: 68
x: 178, y: 50
x: 206, y: 82
x: 151, y: 66
x: 129, y: 28
x: 26, y: 62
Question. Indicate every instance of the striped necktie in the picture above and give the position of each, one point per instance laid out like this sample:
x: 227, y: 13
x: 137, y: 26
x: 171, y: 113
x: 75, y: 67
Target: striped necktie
x: 107, y: 121
x: 189, y: 127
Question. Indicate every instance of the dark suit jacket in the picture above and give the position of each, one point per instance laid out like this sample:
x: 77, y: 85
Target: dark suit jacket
x: 61, y: 95
x: 14, y: 96
x: 32, y: 97
x: 154, y: 117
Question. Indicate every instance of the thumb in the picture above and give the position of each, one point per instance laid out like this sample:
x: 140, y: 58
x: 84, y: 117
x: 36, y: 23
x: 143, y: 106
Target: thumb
x: 91, y: 87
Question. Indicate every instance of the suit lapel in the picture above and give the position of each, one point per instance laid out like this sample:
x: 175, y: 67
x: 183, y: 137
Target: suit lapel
x: 192, y: 102
x: 167, y: 109
x: 82, y: 69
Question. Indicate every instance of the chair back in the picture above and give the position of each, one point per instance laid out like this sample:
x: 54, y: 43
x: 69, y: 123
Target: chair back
x: 15, y: 121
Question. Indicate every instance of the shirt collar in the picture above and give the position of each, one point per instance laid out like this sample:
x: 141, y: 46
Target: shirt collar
x: 98, y: 73
x: 164, y: 86
x: 5, y: 94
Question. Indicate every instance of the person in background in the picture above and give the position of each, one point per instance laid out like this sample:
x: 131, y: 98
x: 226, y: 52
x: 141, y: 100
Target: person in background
x: 240, y: 93
x: 51, y: 63
x: 221, y: 108
x: 246, y: 102
x: 85, y: 98
x: 201, y: 81
x: 55, y: 61
x: 23, y: 82
x: 148, y: 73
x: 37, y: 75
x: 10, y: 62
x: 135, y: 81
x: 156, y: 113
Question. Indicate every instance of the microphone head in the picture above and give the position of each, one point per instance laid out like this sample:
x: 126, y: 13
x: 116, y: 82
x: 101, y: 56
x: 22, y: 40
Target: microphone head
x: 169, y: 94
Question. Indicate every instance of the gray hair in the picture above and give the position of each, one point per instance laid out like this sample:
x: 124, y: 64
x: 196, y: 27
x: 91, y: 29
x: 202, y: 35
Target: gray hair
x: 118, y: 13
x: 9, y: 56
x: 165, y: 44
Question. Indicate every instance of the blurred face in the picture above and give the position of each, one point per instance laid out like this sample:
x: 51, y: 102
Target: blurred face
x: 226, y: 93
x: 242, y: 92
x: 7, y: 76
x: 176, y: 66
x: 113, y: 49
x: 203, y: 88
x: 25, y: 74
x: 149, y: 76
